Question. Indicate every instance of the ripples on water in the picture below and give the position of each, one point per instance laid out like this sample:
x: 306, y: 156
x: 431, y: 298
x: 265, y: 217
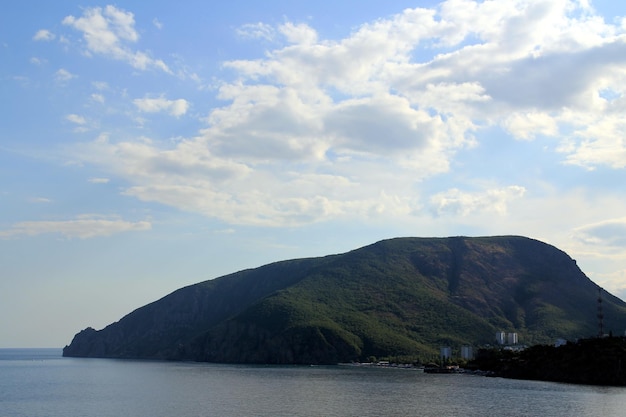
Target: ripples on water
x: 41, y: 383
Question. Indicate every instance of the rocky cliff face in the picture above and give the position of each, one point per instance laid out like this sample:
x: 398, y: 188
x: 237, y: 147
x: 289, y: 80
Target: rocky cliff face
x: 399, y: 298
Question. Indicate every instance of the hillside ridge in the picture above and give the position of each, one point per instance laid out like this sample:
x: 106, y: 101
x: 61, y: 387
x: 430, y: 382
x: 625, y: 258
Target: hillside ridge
x: 397, y: 298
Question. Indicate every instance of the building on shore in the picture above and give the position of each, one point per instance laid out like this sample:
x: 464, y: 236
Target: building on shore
x: 445, y: 352
x: 467, y: 352
x: 503, y: 338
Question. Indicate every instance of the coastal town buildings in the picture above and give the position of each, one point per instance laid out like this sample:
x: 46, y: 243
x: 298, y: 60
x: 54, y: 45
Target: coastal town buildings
x: 503, y: 338
x: 467, y: 352
x: 445, y: 352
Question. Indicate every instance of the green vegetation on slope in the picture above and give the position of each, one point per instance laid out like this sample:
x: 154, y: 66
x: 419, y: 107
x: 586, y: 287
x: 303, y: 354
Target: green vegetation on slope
x: 401, y: 298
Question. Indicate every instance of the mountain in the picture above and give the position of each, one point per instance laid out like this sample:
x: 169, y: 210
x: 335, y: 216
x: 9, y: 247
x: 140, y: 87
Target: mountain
x: 401, y: 298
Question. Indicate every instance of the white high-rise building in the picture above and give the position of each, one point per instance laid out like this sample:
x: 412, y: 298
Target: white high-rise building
x: 467, y: 352
x: 511, y: 338
x: 500, y: 338
x: 446, y: 352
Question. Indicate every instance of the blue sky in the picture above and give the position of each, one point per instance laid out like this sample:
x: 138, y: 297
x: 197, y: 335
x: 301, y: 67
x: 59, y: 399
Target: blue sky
x: 145, y: 146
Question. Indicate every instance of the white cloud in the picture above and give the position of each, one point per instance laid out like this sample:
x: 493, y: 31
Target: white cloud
x: 608, y: 233
x: 43, y: 35
x: 100, y: 85
x: 83, y: 227
x: 75, y: 118
x: 598, y: 139
x: 372, y: 116
x: 99, y: 180
x: 298, y: 34
x: 63, y: 75
x: 256, y: 31
x: 175, y: 108
x: 110, y: 32
x: 37, y: 61
x: 98, y: 98
x: 457, y: 202
x: 528, y: 125
x: 157, y: 23
x: 40, y: 200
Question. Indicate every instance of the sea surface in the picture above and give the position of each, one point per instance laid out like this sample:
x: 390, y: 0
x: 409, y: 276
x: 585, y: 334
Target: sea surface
x: 39, y: 382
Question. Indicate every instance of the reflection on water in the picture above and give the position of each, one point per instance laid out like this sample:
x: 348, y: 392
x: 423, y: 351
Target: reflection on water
x: 41, y: 383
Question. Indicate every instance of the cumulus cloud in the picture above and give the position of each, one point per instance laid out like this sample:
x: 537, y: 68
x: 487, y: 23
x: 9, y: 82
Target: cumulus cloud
x: 37, y: 61
x: 43, y: 35
x: 457, y: 202
x: 63, y: 75
x: 298, y: 33
x: 98, y: 98
x: 256, y: 31
x: 75, y: 118
x: 321, y: 128
x: 83, y: 227
x: 597, y: 140
x: 100, y: 85
x: 110, y: 32
x: 175, y: 108
x: 529, y: 124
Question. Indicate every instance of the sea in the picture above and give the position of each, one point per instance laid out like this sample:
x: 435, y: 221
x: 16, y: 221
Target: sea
x: 40, y: 382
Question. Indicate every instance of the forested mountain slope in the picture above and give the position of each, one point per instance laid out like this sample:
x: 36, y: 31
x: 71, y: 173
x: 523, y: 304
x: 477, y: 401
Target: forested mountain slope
x: 400, y: 298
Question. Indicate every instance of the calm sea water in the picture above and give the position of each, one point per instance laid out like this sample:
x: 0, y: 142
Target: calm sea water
x: 39, y: 382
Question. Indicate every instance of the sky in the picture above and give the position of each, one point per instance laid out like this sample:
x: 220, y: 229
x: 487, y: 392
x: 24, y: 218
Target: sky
x: 146, y: 146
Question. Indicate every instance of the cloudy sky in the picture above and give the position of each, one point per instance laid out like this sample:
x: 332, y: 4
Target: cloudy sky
x: 145, y: 146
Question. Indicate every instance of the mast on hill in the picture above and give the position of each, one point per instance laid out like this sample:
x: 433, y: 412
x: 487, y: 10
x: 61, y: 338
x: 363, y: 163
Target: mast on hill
x: 600, y: 314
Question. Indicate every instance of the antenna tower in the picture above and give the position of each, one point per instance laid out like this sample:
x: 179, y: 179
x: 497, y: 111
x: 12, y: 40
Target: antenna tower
x: 600, y: 314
